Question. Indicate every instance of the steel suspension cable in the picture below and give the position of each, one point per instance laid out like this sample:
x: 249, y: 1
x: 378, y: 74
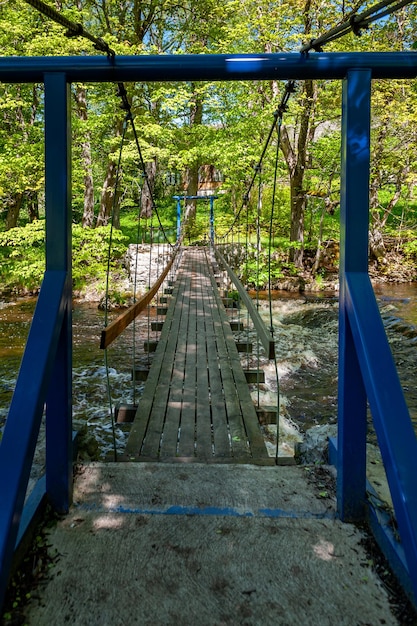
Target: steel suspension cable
x: 126, y: 106
x: 282, y: 107
x: 106, y: 308
x: 271, y: 317
x: 290, y: 88
x: 258, y: 267
x: 74, y: 29
x: 356, y: 23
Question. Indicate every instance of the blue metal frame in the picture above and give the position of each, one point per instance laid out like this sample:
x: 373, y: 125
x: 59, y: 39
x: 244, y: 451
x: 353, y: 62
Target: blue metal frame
x: 354, y: 205
x: 178, y: 199
x: 45, y: 373
x: 58, y: 258
x: 280, y: 66
x: 211, y: 198
x: 366, y: 370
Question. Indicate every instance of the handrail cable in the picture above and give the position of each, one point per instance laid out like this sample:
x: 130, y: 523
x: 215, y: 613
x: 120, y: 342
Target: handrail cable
x: 135, y: 283
x: 356, y: 23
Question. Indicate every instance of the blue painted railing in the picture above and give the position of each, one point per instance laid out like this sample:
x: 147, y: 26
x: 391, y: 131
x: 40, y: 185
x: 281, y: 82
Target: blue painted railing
x: 366, y: 368
x: 44, y: 380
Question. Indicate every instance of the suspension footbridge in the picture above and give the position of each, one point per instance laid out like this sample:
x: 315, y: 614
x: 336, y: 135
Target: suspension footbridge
x: 196, y: 404
x: 367, y: 377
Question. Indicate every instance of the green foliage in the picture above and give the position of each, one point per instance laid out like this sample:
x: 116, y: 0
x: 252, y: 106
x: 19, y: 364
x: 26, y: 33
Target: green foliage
x: 235, y: 121
x: 91, y: 251
x: 22, y: 257
x: 256, y: 272
x: 22, y: 254
x: 410, y: 246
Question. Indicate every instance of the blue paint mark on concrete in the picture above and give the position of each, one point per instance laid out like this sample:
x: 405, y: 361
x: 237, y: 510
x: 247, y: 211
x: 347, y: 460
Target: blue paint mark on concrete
x: 208, y: 511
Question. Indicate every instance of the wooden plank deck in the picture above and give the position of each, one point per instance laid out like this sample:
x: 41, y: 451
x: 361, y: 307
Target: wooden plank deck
x: 196, y: 404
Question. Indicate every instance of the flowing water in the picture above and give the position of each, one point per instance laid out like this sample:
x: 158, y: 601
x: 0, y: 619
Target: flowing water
x: 306, y: 335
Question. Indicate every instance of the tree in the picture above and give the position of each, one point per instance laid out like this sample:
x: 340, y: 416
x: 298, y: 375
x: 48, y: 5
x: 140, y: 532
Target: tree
x: 184, y: 126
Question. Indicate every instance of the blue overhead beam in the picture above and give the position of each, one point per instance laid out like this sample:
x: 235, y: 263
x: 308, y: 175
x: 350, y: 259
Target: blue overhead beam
x: 189, y: 67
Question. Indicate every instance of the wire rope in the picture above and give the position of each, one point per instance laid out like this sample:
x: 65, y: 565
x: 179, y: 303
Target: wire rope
x: 356, y: 23
x: 106, y: 308
x: 271, y: 316
x: 290, y: 88
x: 134, y: 321
x: 142, y: 162
x: 74, y: 29
x: 258, y: 260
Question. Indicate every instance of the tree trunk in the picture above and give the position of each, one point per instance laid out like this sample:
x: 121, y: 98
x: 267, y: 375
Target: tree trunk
x: 88, y: 212
x: 33, y: 207
x: 107, y: 195
x: 146, y: 200
x: 191, y: 177
x: 191, y: 190
x: 295, y: 154
x: 298, y: 206
x: 13, y: 211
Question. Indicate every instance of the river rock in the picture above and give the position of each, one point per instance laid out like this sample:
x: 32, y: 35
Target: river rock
x: 315, y: 447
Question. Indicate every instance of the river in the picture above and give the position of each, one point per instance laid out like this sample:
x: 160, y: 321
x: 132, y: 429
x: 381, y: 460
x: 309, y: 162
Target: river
x: 306, y: 333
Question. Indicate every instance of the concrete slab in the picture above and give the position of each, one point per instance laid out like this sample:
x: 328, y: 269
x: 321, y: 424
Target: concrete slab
x: 216, y: 545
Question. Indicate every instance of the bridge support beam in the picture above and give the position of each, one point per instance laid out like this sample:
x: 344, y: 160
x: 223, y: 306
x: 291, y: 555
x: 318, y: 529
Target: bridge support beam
x: 58, y: 259
x: 351, y: 462
x: 178, y: 198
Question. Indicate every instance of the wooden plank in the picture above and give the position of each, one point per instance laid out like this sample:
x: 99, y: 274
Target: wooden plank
x: 248, y: 412
x: 140, y: 373
x: 113, y: 330
x: 191, y: 410
x: 264, y: 335
x: 186, y: 445
x: 170, y: 440
x: 150, y: 346
x: 236, y: 326
x: 140, y: 425
x: 221, y: 437
x: 255, y: 377
x: 244, y: 346
x: 153, y: 438
x: 237, y: 433
x: 205, y: 344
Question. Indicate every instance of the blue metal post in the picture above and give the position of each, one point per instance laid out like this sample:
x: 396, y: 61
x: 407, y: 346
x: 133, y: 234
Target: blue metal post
x: 58, y: 258
x: 352, y: 402
x: 212, y: 220
x: 178, y: 217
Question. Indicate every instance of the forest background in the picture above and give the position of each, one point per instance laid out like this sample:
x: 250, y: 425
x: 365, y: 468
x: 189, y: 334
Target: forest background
x: 185, y: 129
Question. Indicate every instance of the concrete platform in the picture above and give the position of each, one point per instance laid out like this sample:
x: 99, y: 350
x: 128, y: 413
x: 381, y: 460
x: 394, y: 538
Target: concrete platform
x: 171, y: 544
